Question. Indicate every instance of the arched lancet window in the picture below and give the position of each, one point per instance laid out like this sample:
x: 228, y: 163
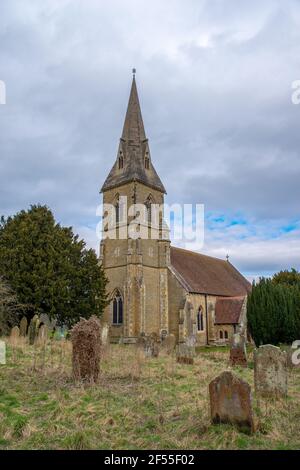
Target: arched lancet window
x: 117, y: 309
x: 200, y: 323
x: 221, y: 334
x: 226, y: 334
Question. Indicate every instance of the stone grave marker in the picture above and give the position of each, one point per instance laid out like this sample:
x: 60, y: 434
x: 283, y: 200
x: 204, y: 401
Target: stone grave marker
x: 23, y: 326
x: 15, y: 333
x: 231, y: 401
x: 169, y: 343
x: 270, y: 371
x: 86, y: 342
x: 238, y: 353
x: 32, y: 330
x: 185, y: 354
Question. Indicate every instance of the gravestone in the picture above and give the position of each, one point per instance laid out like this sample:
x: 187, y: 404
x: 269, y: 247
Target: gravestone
x: 185, y: 354
x: 238, y: 353
x: 270, y: 371
x: 2, y: 352
x: 23, y: 326
x: 15, y: 333
x: 43, y: 334
x: 104, y: 334
x: 151, y: 346
x: 32, y: 330
x: 293, y: 355
x: 231, y: 401
x: 86, y: 342
x: 141, y: 341
x: 168, y: 344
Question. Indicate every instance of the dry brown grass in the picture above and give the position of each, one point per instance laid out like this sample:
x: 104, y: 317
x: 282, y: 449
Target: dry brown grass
x: 138, y: 402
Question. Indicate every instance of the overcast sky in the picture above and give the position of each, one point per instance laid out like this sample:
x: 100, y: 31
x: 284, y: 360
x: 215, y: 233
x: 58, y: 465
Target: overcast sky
x: 215, y: 83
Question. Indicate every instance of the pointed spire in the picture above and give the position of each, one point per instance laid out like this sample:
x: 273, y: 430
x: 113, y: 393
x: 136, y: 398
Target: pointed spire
x: 133, y: 161
x: 133, y: 130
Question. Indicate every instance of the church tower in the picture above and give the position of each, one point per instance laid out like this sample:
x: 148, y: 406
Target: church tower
x: 135, y: 251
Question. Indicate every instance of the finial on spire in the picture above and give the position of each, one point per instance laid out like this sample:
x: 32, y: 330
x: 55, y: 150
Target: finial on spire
x: 227, y: 257
x: 134, y: 72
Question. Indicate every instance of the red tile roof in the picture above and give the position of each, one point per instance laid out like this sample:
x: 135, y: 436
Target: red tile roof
x: 228, y: 309
x: 206, y: 275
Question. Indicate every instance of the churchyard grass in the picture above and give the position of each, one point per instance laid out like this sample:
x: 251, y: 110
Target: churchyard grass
x: 138, y: 403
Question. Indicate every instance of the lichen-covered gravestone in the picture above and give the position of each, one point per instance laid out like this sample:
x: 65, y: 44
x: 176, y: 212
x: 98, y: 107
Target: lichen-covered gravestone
x: 270, y: 371
x: 231, y: 401
x: 86, y: 342
x: 168, y: 344
x: 23, y: 326
x: 33, y: 328
x: 185, y: 354
x: 238, y: 353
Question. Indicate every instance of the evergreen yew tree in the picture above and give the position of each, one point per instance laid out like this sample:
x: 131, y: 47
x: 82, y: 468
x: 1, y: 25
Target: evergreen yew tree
x: 49, y: 268
x: 273, y: 310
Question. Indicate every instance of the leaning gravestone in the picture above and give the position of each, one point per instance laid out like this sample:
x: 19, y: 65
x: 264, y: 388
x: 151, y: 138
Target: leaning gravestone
x: 86, y: 342
x: 238, y: 353
x: 23, y: 326
x: 168, y: 344
x: 185, y: 354
x: 15, y: 333
x: 32, y: 330
x: 231, y: 401
x: 270, y: 371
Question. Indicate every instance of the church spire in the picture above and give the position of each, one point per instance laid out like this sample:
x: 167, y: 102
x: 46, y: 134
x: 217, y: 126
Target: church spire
x: 133, y: 161
x: 133, y: 129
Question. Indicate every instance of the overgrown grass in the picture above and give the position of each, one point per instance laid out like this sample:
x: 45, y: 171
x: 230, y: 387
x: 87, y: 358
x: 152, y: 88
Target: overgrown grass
x: 138, y: 403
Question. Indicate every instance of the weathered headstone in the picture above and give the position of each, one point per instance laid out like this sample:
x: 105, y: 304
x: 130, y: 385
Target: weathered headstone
x: 238, y: 353
x: 86, y: 341
x: 168, y: 344
x: 43, y: 334
x: 231, y: 401
x: 270, y: 371
x: 32, y: 330
x: 23, y: 326
x: 185, y: 354
x: 2, y: 352
x: 141, y: 341
x: 151, y: 346
x: 15, y: 333
x: 104, y: 334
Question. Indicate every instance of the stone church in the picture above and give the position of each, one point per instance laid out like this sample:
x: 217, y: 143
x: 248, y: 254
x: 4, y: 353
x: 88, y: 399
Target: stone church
x: 154, y: 287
